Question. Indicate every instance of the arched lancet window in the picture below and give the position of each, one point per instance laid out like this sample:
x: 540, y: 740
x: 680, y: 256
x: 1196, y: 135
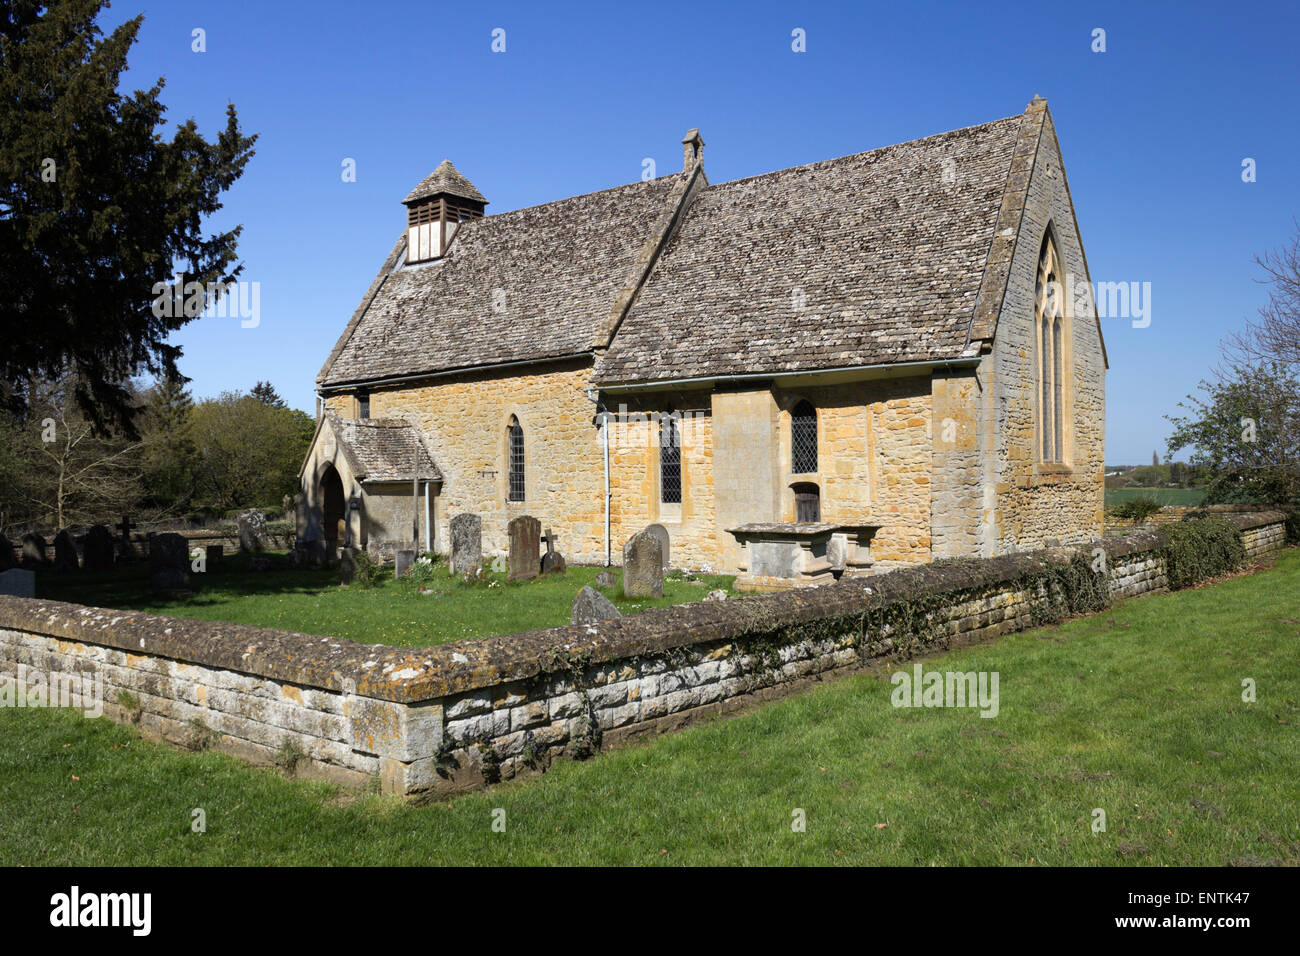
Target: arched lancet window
x: 516, y: 473
x: 670, y: 459
x: 1051, y: 332
x: 803, y: 438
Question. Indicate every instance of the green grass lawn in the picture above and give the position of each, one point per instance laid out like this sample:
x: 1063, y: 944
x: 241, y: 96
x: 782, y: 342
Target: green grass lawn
x: 1136, y: 711
x: 390, y: 613
x: 1181, y: 497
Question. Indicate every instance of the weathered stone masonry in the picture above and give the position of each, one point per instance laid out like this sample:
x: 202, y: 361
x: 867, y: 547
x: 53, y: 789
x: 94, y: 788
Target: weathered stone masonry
x: 453, y: 715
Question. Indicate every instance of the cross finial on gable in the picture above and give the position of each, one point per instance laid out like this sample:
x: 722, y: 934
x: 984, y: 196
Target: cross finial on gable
x: 692, y: 150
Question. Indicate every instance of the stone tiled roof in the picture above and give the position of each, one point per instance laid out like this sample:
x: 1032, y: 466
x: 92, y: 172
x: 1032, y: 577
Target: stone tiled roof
x: 884, y: 251
x: 529, y: 284
x: 384, y: 449
x: 445, y: 179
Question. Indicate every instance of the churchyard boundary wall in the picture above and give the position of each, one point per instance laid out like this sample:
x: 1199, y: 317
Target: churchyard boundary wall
x: 454, y: 716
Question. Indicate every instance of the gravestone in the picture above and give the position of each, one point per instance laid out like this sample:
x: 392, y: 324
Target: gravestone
x: 286, y: 505
x: 212, y: 555
x: 169, y: 562
x: 99, y: 549
x: 466, y: 543
x: 592, y: 607
x: 252, y: 532
x: 660, y: 532
x: 402, y: 562
x: 606, y: 579
x: 19, y: 582
x: 643, y: 566
x: 552, y: 560
x: 525, y: 548
x: 33, y: 550
x: 125, y: 549
x: 347, y: 566
x: 65, y: 552
x: 7, y: 559
x: 717, y: 595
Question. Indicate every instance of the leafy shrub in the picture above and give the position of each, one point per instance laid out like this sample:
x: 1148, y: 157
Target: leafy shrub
x: 1292, y: 524
x: 422, y: 572
x: 1201, y: 548
x: 1136, y: 510
x: 368, y: 572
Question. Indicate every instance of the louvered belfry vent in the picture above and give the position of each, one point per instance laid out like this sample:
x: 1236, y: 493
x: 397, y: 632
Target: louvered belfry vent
x: 435, y: 209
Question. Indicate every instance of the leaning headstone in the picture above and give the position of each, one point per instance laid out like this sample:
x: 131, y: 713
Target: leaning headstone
x: 252, y: 532
x: 643, y: 566
x: 466, y: 543
x: 403, y: 561
x: 33, y: 550
x: 65, y: 552
x: 525, y: 548
x: 98, y: 549
x: 19, y: 582
x: 592, y: 607
x: 606, y: 579
x: 661, y: 533
x: 7, y: 559
x: 169, y: 562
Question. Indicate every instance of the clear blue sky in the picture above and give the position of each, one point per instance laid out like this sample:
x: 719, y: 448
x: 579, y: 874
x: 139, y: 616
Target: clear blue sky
x: 1153, y: 131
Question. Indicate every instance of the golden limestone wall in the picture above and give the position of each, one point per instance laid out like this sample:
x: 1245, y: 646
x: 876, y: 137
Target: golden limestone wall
x: 464, y: 420
x: 873, y: 462
x: 634, y: 476
x: 1033, y: 503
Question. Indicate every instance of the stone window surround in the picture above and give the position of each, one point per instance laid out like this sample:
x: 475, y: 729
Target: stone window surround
x: 788, y: 402
x: 1061, y: 464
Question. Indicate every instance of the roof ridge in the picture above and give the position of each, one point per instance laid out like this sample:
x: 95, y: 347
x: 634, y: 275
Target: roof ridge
x: 866, y: 152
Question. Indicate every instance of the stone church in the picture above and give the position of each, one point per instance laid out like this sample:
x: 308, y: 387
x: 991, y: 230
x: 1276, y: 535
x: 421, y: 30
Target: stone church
x: 879, y: 347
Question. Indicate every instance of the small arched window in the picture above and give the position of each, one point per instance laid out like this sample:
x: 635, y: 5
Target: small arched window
x: 515, y: 435
x: 803, y: 438
x: 670, y: 459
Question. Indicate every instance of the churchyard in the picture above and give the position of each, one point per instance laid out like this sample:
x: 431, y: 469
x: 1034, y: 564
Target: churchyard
x: 1136, y: 710
x: 393, y: 612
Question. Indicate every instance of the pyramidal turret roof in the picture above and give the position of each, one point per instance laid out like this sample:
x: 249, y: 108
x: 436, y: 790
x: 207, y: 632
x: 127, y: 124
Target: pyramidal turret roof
x: 445, y: 179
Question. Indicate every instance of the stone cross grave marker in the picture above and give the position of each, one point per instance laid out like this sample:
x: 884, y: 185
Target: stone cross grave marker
x: 643, y: 566
x: 525, y: 548
x: 466, y: 543
x: 552, y: 561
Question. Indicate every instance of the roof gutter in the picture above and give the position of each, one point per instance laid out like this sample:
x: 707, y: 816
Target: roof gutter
x: 962, y: 362
x: 397, y: 379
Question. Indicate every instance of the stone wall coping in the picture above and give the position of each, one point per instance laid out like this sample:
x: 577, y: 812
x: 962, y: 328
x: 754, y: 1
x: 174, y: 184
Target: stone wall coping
x: 409, y: 675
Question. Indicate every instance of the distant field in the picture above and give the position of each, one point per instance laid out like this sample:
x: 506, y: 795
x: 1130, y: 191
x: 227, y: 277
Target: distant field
x: 1166, y: 496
